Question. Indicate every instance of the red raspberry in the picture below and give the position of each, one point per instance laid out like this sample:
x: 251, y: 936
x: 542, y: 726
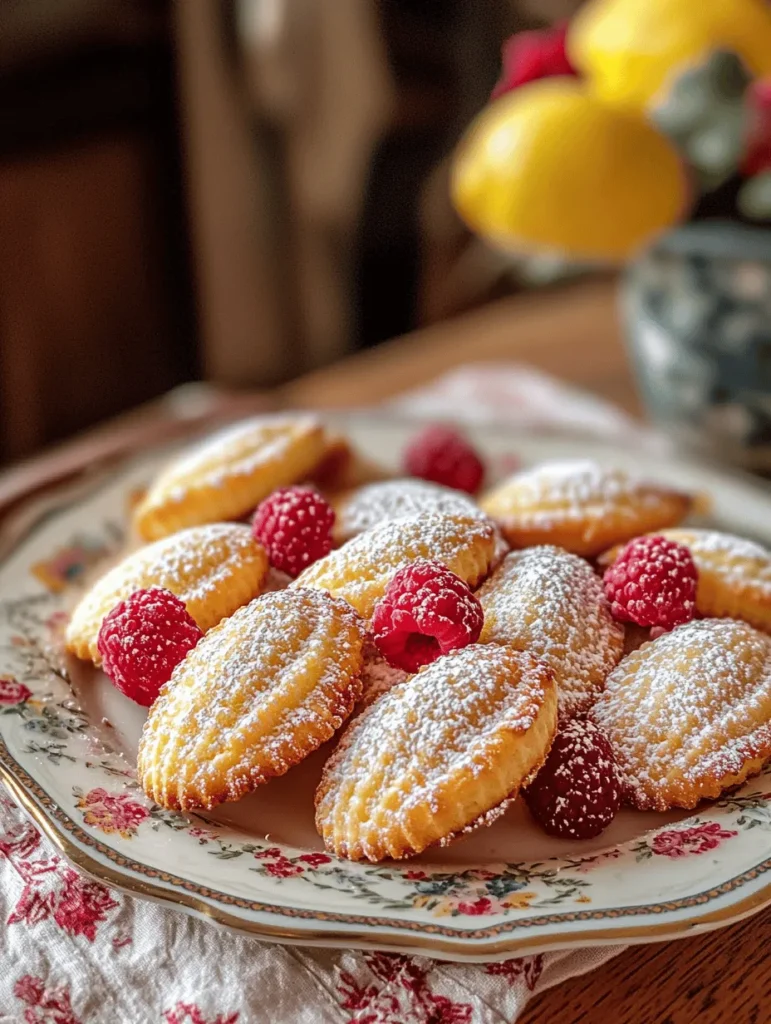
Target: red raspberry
x: 142, y: 640
x: 295, y: 526
x: 528, y: 56
x: 426, y: 611
x: 443, y: 456
x: 653, y: 583
x: 577, y: 793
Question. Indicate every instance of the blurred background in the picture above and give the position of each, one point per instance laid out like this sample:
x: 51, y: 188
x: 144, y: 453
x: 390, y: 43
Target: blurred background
x: 230, y: 190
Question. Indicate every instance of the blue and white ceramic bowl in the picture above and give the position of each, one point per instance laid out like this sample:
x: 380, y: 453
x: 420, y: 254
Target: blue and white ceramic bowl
x: 698, y: 315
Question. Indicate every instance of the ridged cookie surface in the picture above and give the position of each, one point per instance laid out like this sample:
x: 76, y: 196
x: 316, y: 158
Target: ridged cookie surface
x: 689, y: 715
x: 363, y: 508
x: 259, y: 693
x: 214, y: 569
x: 552, y: 604
x: 229, y: 474
x: 361, y: 570
x: 438, y: 754
x: 580, y: 506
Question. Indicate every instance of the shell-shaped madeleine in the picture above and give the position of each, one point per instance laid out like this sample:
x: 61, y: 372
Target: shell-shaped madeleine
x: 214, y: 569
x: 438, y: 754
x: 363, y: 508
x: 259, y: 693
x: 580, y: 506
x: 361, y: 570
x: 689, y: 714
x: 734, y: 575
x: 552, y: 604
x: 230, y: 473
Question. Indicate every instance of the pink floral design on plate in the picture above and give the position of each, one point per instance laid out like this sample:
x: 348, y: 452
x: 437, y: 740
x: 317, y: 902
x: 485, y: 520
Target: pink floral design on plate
x: 481, y: 906
x: 112, y: 812
x: 687, y: 842
x: 13, y: 692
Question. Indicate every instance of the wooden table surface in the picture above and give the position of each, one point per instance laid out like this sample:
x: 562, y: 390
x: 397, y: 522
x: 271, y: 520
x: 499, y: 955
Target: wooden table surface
x: 574, y: 334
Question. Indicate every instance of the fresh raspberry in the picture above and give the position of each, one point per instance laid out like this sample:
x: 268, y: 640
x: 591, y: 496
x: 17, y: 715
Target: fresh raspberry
x: 295, y: 526
x: 443, y: 456
x: 426, y: 611
x: 653, y: 583
x: 142, y: 639
x: 577, y: 793
x: 528, y: 56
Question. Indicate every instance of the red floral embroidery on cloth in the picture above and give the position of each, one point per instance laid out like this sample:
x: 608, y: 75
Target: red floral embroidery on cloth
x: 20, y: 841
x: 400, y: 994
x: 51, y: 889
x: 112, y: 812
x: 184, y: 1012
x: 44, y: 1005
x: 686, y: 842
x: 528, y: 968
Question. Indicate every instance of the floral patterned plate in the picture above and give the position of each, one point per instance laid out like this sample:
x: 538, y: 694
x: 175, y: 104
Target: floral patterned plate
x: 67, y: 743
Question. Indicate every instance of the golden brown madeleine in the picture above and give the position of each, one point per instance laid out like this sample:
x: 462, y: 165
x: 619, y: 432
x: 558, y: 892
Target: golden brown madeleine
x: 437, y: 755
x: 734, y: 575
x: 214, y: 569
x: 259, y: 693
x: 580, y: 506
x: 363, y: 508
x: 551, y: 603
x: 229, y: 474
x: 689, y: 715
x: 361, y: 570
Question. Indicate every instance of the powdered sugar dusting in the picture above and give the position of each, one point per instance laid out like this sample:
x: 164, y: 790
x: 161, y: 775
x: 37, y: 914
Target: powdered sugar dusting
x: 260, y: 691
x: 375, y: 503
x: 734, y: 559
x: 360, y: 570
x: 202, y: 556
x: 213, y: 569
x: 565, y: 491
x: 235, y: 450
x: 551, y: 603
x: 438, y: 726
x: 688, y: 710
x: 377, y: 676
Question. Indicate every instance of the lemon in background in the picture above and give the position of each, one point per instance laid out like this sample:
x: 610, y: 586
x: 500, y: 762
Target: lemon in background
x: 549, y: 166
x: 630, y: 50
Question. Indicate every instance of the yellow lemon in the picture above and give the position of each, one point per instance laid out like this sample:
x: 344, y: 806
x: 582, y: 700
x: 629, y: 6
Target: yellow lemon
x: 631, y: 49
x: 549, y: 166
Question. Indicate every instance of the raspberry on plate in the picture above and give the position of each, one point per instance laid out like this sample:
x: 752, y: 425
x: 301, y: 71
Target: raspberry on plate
x: 295, y: 526
x: 443, y: 456
x: 426, y: 611
x: 577, y: 792
x: 143, y: 639
x: 653, y: 583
